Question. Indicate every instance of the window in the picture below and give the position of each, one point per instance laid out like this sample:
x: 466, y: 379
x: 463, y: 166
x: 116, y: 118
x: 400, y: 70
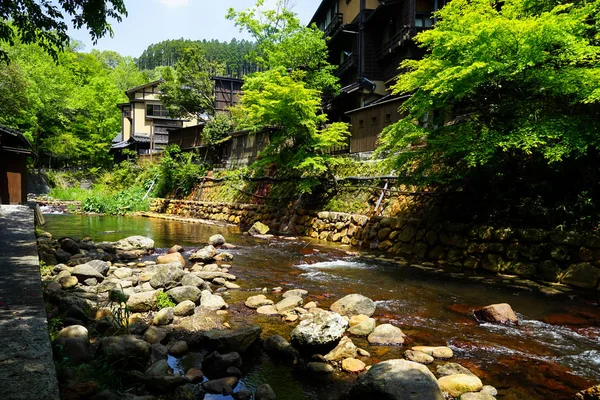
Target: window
x: 373, y: 120
x: 361, y: 123
x: 388, y: 117
x: 156, y: 110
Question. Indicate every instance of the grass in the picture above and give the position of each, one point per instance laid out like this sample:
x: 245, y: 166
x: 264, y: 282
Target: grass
x: 71, y: 194
x: 163, y: 301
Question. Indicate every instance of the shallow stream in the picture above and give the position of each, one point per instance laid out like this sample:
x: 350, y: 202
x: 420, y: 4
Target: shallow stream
x: 553, y: 353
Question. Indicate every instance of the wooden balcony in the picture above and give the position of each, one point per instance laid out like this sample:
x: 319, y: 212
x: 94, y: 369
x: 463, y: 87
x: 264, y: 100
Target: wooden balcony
x: 335, y: 25
x: 349, y: 63
x: 399, y: 39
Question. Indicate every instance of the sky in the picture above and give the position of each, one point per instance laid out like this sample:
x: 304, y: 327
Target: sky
x: 152, y: 21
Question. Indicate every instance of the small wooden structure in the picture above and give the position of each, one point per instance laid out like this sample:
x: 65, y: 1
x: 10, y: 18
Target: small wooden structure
x: 14, y: 151
x: 227, y: 92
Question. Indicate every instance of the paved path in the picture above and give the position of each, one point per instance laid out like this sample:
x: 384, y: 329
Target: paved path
x: 26, y: 365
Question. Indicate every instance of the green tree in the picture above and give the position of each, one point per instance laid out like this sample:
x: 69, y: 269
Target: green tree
x: 189, y: 91
x: 218, y: 128
x: 42, y: 21
x: 502, y: 80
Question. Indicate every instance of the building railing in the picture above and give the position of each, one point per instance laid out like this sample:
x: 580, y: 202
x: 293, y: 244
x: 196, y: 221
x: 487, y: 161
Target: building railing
x: 349, y: 62
x: 399, y: 39
x: 334, y: 25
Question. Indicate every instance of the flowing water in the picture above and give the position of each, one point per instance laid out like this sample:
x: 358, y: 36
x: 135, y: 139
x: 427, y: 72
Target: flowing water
x: 551, y: 354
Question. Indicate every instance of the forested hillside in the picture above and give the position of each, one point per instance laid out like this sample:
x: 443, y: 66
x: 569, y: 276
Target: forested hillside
x: 232, y: 54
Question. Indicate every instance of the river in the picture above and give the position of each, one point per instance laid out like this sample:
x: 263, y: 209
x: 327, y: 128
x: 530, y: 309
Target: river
x: 553, y: 353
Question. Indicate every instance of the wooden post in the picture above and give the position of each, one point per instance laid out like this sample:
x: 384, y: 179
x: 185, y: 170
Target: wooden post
x: 151, y: 142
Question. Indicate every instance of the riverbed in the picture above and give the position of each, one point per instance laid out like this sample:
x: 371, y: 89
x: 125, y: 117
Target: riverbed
x: 553, y: 353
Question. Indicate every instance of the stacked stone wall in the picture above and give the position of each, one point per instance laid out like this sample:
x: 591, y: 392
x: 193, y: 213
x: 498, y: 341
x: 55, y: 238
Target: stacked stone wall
x: 568, y: 257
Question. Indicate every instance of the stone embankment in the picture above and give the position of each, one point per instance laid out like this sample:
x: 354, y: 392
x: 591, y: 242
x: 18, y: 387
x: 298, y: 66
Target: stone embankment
x: 571, y: 258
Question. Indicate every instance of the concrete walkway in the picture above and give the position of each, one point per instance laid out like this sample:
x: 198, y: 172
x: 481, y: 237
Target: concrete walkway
x: 26, y: 365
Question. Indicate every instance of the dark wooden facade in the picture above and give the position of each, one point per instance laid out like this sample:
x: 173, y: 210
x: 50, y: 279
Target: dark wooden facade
x: 368, y: 122
x: 187, y: 138
x: 243, y: 148
x: 14, y: 152
x: 227, y: 92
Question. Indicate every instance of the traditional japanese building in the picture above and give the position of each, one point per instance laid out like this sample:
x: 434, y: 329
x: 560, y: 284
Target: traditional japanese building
x: 15, y: 149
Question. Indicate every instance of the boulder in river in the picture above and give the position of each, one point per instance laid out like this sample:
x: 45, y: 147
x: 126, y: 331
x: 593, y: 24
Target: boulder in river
x: 166, y: 276
x: 323, y: 330
x: 386, y: 334
x: 459, y: 384
x: 126, y: 351
x: 204, y: 255
x: 171, y: 258
x: 258, y: 301
x: 144, y: 301
x: 184, y: 308
x: 216, y: 364
x: 277, y: 347
x: 138, y: 244
x: 216, y: 240
x: 182, y: 293
x: 259, y: 229
x: 344, y: 349
x: 264, y: 392
x: 237, y: 340
x: 397, y: 380
x: 163, y: 317
x: 435, y: 351
x: 354, y: 304
x: 288, y: 304
x: 86, y: 271
x: 73, y: 343
x: 452, y: 369
x: 361, y: 325
x: 211, y: 301
x: 222, y: 386
x: 500, y: 313
x: 176, y: 249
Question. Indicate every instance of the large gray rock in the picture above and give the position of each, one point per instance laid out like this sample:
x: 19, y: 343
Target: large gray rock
x: 258, y: 229
x: 144, y: 301
x: 288, y: 304
x: 216, y: 240
x: 182, y: 293
x: 205, y: 254
x: 237, y: 340
x: 100, y: 266
x: 386, y: 334
x: 163, y: 317
x: 265, y: 392
x: 211, y: 301
x: 140, y: 244
x: 397, y: 380
x: 583, y: 275
x: 73, y: 343
x: 501, y: 313
x: 222, y: 386
x: 354, y: 304
x: 216, y: 364
x: 277, y: 347
x: 193, y: 280
x: 258, y: 301
x: 184, y: 308
x: 166, y: 276
x: 324, y: 329
x: 344, y: 349
x: 86, y: 271
x: 126, y: 351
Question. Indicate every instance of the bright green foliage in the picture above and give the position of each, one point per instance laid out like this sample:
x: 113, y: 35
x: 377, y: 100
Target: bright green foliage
x: 178, y: 173
x: 282, y: 41
x: 119, y: 203
x: 299, y: 139
x: 218, y: 128
x: 163, y: 301
x: 502, y: 79
x: 42, y: 21
x: 189, y: 90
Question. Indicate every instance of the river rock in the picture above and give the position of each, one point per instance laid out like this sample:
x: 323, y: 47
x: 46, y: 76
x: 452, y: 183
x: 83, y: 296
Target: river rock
x: 155, y: 334
x: 387, y: 335
x: 288, y: 304
x: 101, y: 266
x: 452, y: 369
x: 354, y: 304
x: 216, y: 240
x: 258, y: 301
x: 267, y: 310
x: 163, y: 317
x: 277, y: 347
x: 183, y: 293
x: 68, y: 282
x: 353, y: 365
x: 159, y: 368
x: 324, y: 329
x: 140, y: 244
x: 211, y: 301
x: 584, y: 275
x: 344, y: 349
x: 222, y: 386
x: 295, y: 292
x: 231, y: 285
x: 320, y: 368
x: 194, y: 375
x: 477, y: 396
x: 210, y: 275
x: 459, y: 384
x: 264, y: 392
x: 418, y: 357
x: 361, y: 325
x: 177, y: 348
x: 204, y: 255
x: 216, y: 364
x: 171, y: 258
x: 501, y: 313
x: 592, y: 393
x: 194, y: 280
x: 166, y: 276
x: 144, y: 301
x: 397, y: 380
x: 184, y: 308
x: 435, y: 351
x: 237, y: 340
x: 164, y: 384
x: 73, y: 343
x: 176, y: 249
x: 86, y: 271
x: 69, y: 245
x: 259, y: 229
x: 123, y: 273
x: 125, y: 351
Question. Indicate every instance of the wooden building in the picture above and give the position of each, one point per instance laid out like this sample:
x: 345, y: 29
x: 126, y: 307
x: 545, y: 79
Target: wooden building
x: 368, y: 41
x: 227, y: 92
x: 14, y: 151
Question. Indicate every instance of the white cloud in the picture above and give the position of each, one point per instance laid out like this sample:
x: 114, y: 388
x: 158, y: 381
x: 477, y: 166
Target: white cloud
x: 175, y: 3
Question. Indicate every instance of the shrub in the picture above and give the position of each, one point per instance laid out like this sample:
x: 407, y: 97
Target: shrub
x: 163, y: 301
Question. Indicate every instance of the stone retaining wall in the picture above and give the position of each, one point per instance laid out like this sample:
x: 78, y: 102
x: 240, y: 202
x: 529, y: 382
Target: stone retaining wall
x: 568, y: 257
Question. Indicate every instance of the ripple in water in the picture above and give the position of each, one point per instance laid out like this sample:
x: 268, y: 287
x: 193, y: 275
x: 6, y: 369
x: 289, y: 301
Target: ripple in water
x: 338, y: 264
